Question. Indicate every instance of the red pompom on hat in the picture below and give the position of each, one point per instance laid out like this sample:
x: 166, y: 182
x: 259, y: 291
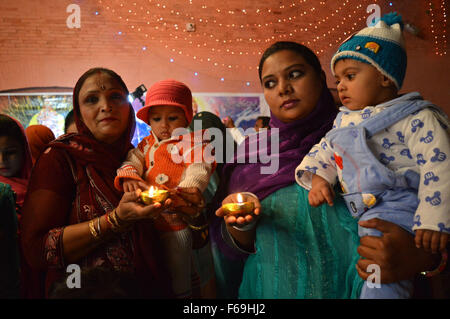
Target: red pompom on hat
x: 167, y: 92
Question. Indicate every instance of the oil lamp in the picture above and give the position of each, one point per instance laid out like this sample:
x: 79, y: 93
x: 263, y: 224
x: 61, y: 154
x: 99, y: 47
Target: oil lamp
x: 240, y: 207
x: 154, y: 195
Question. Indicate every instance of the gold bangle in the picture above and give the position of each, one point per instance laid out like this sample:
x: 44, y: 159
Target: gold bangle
x: 108, y: 219
x: 92, y: 229
x: 440, y: 267
x: 117, y: 218
x: 198, y: 227
x: 114, y: 218
x: 116, y: 226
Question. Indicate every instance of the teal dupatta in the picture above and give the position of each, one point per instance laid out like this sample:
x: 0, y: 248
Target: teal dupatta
x: 302, y: 251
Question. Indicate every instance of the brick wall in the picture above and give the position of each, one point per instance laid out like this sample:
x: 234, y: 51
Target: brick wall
x: 38, y: 49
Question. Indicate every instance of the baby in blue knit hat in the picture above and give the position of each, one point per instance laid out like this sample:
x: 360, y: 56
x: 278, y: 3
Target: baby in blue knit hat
x: 390, y: 153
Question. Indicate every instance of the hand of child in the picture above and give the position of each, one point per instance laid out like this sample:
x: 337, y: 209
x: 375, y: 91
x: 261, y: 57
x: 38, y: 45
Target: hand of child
x: 131, y: 185
x: 431, y: 241
x: 320, y: 192
x: 187, y: 201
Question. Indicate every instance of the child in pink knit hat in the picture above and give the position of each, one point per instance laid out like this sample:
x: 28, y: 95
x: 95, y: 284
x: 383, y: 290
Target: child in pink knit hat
x: 168, y: 107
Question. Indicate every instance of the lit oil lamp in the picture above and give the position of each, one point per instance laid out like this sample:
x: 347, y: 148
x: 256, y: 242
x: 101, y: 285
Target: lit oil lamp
x: 240, y: 207
x: 154, y: 195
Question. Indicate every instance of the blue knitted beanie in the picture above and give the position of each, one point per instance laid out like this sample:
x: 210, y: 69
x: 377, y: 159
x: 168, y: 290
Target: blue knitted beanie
x: 381, y: 46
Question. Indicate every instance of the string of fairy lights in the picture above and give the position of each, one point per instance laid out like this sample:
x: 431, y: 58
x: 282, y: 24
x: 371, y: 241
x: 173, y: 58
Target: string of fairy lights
x: 219, y: 26
x: 439, y: 32
x: 253, y: 28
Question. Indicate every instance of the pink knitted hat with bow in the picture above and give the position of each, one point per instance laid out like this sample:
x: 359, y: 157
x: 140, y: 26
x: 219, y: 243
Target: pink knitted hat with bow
x: 167, y: 92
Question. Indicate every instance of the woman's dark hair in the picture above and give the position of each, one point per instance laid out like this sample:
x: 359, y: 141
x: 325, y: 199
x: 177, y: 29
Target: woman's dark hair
x: 87, y: 74
x: 9, y: 127
x: 300, y: 49
x: 210, y: 120
x: 68, y: 120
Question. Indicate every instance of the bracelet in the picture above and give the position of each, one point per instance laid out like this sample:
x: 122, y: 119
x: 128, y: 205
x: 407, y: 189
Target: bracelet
x: 93, y: 230
x: 198, y: 227
x: 119, y: 221
x: 250, y: 194
x: 115, y: 219
x: 439, y: 269
x: 117, y: 226
x: 109, y: 222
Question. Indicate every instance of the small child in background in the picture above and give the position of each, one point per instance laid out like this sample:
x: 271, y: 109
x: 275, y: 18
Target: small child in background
x: 168, y: 106
x: 262, y: 122
x: 390, y: 153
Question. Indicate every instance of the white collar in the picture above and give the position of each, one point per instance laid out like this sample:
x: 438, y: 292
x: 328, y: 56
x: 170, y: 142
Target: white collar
x: 401, y: 98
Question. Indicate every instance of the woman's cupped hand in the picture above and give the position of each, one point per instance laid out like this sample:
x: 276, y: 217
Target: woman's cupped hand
x: 240, y: 219
x: 131, y: 208
x: 187, y: 201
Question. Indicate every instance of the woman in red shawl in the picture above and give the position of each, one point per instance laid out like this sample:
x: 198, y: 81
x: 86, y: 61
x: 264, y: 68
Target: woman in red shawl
x: 75, y: 215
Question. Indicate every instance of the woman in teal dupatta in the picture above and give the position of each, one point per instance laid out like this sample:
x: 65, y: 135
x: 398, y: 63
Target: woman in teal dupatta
x: 299, y: 251
x: 286, y: 249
